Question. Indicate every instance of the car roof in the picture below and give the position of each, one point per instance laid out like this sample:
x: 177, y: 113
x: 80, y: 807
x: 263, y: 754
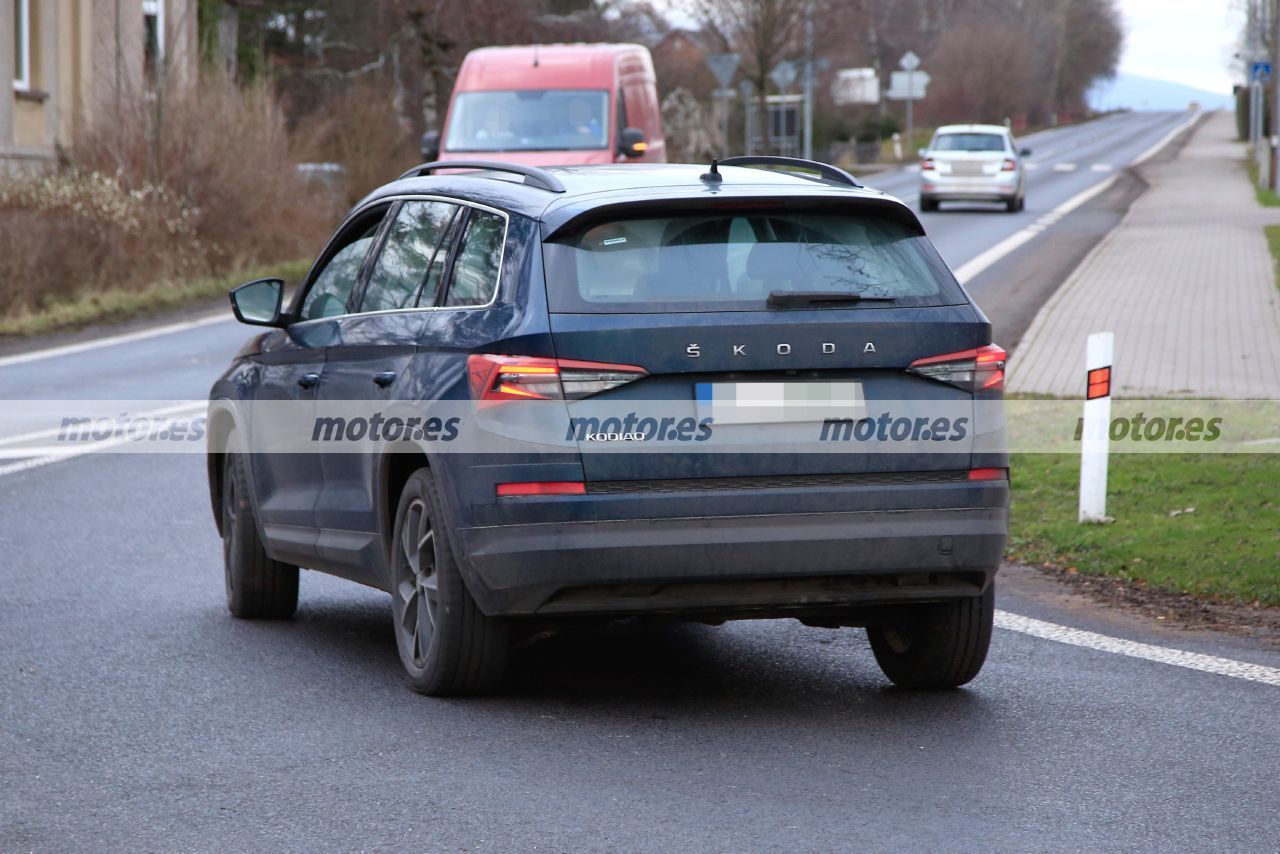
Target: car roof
x: 588, y: 188
x: 945, y: 129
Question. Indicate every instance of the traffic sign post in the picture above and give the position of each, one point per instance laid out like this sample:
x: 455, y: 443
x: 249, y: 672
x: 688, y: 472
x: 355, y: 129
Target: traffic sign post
x: 722, y: 66
x: 908, y: 85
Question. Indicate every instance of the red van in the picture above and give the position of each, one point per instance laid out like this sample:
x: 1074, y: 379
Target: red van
x: 553, y: 105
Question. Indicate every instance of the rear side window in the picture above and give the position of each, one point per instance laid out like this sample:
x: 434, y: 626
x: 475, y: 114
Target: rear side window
x: 968, y: 142
x: 475, y: 272
x: 414, y: 246
x: 734, y: 261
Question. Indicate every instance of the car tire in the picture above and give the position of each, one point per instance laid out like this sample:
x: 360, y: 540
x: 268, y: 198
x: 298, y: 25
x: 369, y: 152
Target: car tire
x: 942, y: 646
x: 1012, y: 204
x: 447, y: 645
x: 258, y: 587
x: 928, y: 204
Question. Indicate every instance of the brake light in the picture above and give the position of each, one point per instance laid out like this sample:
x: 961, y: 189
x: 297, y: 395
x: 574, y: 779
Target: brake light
x: 1008, y: 166
x: 501, y: 378
x: 980, y: 369
x: 927, y: 164
x: 988, y: 474
x: 553, y: 487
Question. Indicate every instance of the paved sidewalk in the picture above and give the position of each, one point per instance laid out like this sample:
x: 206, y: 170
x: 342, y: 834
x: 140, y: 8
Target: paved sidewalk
x: 1186, y: 282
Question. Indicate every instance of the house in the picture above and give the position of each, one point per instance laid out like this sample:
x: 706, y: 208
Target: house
x: 67, y: 61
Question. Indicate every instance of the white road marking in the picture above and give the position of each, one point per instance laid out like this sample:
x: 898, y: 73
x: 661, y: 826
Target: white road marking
x: 1064, y: 167
x: 112, y: 340
x: 1031, y: 167
x: 1164, y: 140
x: 36, y: 457
x: 971, y: 268
x: 1120, y: 646
x: 1101, y: 167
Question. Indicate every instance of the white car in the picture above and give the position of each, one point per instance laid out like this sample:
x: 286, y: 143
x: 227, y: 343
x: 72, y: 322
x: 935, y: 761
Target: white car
x: 973, y: 163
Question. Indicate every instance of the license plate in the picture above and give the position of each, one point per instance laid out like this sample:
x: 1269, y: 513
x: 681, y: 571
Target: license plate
x: 773, y: 403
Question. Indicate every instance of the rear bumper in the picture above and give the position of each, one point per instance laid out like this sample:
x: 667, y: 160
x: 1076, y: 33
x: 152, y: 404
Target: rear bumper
x: 737, y: 565
x: 969, y: 189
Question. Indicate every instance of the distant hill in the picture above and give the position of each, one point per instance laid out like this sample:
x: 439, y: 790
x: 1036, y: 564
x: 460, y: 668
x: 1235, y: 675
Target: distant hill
x: 1145, y: 93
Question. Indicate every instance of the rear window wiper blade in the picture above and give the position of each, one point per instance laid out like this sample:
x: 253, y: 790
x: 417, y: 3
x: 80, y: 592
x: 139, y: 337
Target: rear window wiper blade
x: 786, y: 299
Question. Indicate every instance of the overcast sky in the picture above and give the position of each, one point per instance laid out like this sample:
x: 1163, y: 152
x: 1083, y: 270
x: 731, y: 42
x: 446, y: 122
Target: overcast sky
x: 1187, y: 41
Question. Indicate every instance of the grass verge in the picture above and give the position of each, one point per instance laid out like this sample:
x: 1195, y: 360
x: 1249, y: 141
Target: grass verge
x: 1227, y: 548
x: 1273, y: 240
x: 1267, y: 197
x: 119, y: 303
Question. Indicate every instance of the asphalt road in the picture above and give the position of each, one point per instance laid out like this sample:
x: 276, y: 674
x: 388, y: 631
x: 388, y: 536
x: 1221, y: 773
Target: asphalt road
x: 136, y: 714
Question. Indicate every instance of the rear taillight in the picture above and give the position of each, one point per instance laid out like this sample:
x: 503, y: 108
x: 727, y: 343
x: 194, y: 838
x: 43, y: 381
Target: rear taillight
x: 928, y: 165
x: 1008, y: 166
x: 981, y: 369
x: 499, y: 378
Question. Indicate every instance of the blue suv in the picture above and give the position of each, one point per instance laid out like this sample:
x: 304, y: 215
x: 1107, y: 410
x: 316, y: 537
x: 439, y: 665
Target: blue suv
x: 622, y: 304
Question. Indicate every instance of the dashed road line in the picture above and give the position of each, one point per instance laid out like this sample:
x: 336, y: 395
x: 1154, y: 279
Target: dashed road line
x: 1149, y: 652
x: 1064, y: 167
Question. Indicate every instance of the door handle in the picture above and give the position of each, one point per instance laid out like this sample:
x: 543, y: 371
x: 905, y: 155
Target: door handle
x: 384, y: 378
x: 308, y: 380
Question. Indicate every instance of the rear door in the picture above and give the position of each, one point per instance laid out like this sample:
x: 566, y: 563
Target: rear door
x: 688, y: 298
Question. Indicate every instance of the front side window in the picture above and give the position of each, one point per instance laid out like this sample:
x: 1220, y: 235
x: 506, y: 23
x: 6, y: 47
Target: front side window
x: 529, y: 120
x: 969, y: 142
x: 332, y: 288
x: 476, y: 270
x: 413, y: 254
x: 735, y: 261
x: 22, y: 44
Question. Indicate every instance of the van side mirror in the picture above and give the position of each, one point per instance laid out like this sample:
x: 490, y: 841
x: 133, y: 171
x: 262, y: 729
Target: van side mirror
x: 631, y: 143
x: 258, y: 302
x: 430, y: 146
x: 1024, y: 152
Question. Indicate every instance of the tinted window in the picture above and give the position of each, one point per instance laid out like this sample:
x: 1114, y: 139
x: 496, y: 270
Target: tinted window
x: 968, y: 142
x: 475, y: 273
x: 732, y: 262
x: 332, y: 288
x: 529, y: 120
x: 415, y: 238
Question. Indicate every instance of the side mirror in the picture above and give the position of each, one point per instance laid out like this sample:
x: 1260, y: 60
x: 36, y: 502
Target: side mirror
x: 922, y: 152
x: 430, y: 146
x: 631, y: 143
x: 258, y: 302
x: 1024, y: 152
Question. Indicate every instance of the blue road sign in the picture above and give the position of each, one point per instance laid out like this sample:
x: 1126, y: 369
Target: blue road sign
x: 1260, y: 72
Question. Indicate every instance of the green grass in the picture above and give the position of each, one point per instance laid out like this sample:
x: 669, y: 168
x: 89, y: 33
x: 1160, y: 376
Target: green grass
x: 1228, y: 548
x: 1268, y: 198
x: 120, y: 304
x: 1273, y: 240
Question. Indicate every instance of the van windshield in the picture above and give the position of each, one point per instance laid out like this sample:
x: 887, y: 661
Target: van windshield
x: 529, y: 120
x: 736, y: 261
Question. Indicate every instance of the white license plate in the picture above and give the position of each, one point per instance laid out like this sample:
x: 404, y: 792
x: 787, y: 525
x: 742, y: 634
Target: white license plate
x: 773, y: 403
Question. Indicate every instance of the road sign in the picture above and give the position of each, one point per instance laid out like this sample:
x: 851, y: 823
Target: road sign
x: 723, y: 65
x: 909, y: 61
x: 783, y: 75
x: 856, y: 86
x: 907, y: 85
x: 1260, y: 71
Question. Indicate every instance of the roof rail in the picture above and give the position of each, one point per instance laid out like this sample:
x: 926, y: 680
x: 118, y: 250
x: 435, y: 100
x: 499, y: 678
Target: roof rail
x: 533, y: 176
x: 826, y: 170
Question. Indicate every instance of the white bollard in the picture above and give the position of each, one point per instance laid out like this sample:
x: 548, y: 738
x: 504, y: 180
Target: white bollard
x: 1095, y: 441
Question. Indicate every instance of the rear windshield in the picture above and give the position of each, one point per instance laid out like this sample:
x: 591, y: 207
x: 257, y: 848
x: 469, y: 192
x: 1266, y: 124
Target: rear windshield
x: 733, y: 261
x: 968, y: 142
x: 529, y: 120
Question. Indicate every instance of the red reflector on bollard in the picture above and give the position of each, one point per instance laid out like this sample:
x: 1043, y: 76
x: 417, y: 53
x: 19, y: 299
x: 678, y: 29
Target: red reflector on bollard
x: 1099, y: 383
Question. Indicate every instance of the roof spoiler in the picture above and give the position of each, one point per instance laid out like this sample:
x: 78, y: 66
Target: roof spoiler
x: 826, y: 170
x: 533, y: 176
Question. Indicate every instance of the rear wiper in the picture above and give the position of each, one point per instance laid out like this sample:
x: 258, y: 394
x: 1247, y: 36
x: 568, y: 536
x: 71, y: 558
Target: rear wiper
x: 786, y: 299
